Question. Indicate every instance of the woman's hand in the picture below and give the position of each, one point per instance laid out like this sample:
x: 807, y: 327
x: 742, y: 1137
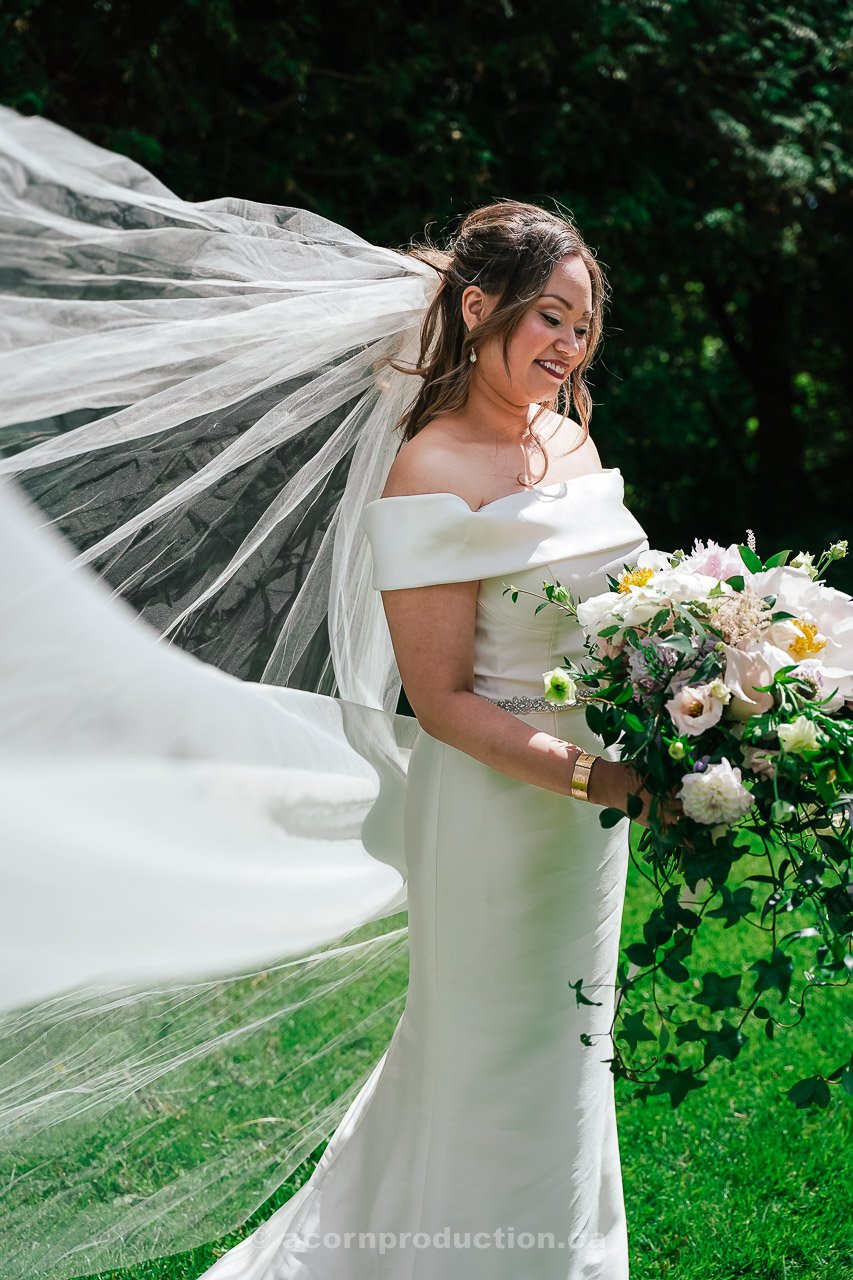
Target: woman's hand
x: 612, y: 781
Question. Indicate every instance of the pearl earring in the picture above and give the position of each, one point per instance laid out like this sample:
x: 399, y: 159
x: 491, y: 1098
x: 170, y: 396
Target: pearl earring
x: 472, y: 356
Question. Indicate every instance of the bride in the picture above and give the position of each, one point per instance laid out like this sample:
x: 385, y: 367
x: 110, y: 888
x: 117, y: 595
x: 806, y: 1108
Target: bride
x: 483, y: 1141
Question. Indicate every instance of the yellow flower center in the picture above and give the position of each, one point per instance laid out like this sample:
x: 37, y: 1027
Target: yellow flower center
x: 635, y: 578
x: 804, y: 645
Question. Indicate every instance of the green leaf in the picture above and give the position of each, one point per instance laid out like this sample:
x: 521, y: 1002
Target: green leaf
x: 736, y: 581
x: 750, y: 559
x: 719, y: 992
x: 640, y: 953
x: 775, y: 972
x: 813, y: 1091
x: 677, y: 1084
x: 689, y: 1032
x: 779, y: 558
x: 634, y: 1030
x: 679, y: 642
x: 634, y: 806
x: 673, y: 968
x: 727, y: 1042
x: 609, y: 817
x: 595, y: 718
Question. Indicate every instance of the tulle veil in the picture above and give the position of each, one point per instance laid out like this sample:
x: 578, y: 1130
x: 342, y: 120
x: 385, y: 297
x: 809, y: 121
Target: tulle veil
x: 203, y: 768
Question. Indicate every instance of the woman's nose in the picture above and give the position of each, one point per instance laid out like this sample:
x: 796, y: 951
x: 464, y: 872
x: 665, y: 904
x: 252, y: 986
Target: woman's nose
x: 566, y: 350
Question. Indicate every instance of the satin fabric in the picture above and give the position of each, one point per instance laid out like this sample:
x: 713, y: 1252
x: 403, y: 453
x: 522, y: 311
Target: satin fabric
x: 483, y: 1146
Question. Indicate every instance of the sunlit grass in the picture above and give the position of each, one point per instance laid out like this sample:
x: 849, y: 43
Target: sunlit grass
x: 735, y: 1182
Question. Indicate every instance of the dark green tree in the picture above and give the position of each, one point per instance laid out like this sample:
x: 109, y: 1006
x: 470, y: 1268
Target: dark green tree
x: 700, y: 146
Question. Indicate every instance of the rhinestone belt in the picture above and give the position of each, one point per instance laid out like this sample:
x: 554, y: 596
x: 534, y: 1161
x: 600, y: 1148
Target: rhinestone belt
x: 520, y: 705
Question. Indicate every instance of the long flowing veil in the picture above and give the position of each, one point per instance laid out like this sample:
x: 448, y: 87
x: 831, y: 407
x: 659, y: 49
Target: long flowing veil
x: 203, y: 769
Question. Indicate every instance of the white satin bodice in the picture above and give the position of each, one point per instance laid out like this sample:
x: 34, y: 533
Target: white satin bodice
x: 575, y: 532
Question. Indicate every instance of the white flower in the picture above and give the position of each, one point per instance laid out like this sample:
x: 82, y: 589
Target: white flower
x: 804, y: 560
x: 800, y: 735
x: 560, y: 687
x: 719, y: 689
x: 715, y: 795
x: 719, y: 562
x: 598, y: 612
x: 693, y: 708
x: 654, y: 560
x: 639, y: 606
x: 682, y: 584
x: 799, y: 637
x: 824, y: 623
x: 745, y: 669
x: 816, y: 674
x: 638, y: 603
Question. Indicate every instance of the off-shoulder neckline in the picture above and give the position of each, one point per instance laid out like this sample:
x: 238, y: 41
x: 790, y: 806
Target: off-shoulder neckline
x: 518, y: 493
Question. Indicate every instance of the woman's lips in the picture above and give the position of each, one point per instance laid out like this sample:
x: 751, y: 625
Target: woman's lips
x: 553, y: 373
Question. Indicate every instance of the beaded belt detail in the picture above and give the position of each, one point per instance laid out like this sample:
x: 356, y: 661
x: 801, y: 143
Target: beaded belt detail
x: 520, y: 705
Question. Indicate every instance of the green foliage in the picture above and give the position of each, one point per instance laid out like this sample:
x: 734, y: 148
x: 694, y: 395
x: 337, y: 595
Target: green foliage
x: 700, y: 147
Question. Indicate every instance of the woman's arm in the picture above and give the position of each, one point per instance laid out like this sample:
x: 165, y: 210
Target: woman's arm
x: 432, y: 631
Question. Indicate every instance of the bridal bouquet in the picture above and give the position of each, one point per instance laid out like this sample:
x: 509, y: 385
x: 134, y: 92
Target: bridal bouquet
x: 727, y: 682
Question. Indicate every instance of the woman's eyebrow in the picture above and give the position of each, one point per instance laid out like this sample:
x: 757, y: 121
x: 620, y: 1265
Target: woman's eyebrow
x: 565, y: 304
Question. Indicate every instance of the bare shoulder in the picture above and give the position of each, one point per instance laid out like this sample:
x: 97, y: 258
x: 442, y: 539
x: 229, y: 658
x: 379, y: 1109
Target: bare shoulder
x: 433, y: 462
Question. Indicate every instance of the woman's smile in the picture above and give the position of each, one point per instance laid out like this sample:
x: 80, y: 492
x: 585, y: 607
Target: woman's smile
x: 556, y: 368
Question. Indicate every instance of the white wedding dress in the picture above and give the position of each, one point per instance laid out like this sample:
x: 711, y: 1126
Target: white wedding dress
x: 487, y: 1114
x: 200, y: 397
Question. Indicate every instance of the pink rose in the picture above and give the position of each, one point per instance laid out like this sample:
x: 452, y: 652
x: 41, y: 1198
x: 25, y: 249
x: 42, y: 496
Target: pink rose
x: 693, y: 708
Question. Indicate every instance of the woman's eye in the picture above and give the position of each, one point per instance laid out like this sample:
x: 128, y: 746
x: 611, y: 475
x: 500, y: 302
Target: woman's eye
x: 581, y: 333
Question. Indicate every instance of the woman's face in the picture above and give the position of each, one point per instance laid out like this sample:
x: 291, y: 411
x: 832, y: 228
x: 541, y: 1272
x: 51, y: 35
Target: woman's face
x: 549, y: 342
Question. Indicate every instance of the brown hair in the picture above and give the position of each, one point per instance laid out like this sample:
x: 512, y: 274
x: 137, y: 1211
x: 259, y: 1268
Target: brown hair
x: 508, y: 248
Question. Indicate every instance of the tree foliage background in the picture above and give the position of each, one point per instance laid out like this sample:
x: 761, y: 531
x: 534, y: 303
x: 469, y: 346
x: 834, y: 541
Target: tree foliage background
x: 699, y: 144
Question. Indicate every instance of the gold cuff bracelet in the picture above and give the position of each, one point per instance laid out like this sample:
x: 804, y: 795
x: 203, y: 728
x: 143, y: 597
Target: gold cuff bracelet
x: 580, y: 775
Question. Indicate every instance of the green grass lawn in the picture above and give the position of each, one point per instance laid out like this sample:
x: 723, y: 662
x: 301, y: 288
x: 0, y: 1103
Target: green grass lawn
x: 735, y: 1182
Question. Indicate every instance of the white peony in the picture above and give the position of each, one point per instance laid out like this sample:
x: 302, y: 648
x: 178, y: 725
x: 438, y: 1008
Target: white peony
x: 638, y: 606
x: 800, y: 735
x: 716, y: 795
x: 598, y: 612
x: 654, y: 560
x: 711, y: 558
x: 824, y: 628
x: 640, y: 602
x: 686, y: 584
